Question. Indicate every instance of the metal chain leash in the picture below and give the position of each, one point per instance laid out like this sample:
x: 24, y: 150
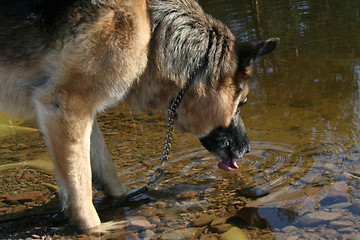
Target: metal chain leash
x: 159, y: 172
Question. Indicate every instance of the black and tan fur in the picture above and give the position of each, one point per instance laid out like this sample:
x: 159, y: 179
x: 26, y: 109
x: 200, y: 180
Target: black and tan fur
x: 61, y: 62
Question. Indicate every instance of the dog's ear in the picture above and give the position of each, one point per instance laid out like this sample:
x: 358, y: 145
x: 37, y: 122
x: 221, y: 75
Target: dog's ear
x: 248, y: 51
x: 267, y: 46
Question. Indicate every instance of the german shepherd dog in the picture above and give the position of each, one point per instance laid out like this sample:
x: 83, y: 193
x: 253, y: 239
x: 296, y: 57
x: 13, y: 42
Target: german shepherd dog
x: 64, y: 61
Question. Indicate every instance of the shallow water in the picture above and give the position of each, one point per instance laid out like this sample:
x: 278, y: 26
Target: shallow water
x: 302, y: 119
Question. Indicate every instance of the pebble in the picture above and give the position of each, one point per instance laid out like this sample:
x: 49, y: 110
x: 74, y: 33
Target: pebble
x: 234, y: 233
x: 181, y: 234
x: 221, y: 228
x: 219, y: 225
x: 194, y: 205
x: 160, y: 205
x: 218, y: 221
x: 155, y: 220
x: 80, y: 236
x: 141, y: 224
x: 335, y: 199
x: 293, y: 238
x: 147, y: 212
x: 339, y: 205
x: 355, y: 207
x: 160, y: 213
x: 19, y: 208
x: 186, y: 195
x: 148, y: 234
x: 346, y: 230
x: 352, y: 237
x: 340, y: 224
x: 318, y: 217
x: 288, y: 229
x: 24, y: 197
x: 208, y: 237
x: 196, y: 208
x: 203, y: 220
x: 132, y: 237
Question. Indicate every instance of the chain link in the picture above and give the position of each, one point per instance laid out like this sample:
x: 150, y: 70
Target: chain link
x: 159, y: 172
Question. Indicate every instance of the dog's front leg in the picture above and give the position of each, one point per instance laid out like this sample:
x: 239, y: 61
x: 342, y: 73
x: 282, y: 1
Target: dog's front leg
x: 105, y: 177
x: 66, y: 121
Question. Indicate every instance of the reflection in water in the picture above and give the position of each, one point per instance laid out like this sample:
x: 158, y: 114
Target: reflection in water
x: 302, y: 175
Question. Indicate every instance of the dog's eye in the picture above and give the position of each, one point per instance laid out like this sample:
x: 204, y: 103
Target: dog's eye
x: 238, y: 91
x: 243, y: 102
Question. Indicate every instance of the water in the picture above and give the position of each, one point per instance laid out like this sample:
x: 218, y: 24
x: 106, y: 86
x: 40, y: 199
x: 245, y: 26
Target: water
x: 302, y: 119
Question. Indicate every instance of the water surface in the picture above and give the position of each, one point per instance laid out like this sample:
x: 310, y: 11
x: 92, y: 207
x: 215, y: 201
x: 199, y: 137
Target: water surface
x: 302, y: 119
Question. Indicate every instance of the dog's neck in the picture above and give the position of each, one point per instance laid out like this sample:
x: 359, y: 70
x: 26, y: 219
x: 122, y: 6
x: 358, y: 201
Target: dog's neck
x: 181, y: 51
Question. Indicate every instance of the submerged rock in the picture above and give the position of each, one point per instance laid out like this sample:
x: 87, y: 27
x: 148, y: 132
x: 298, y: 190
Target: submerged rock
x: 33, y: 196
x: 181, y: 234
x: 131, y: 237
x: 355, y: 207
x: 219, y: 225
x: 218, y: 221
x: 221, y: 228
x: 340, y: 224
x: 203, y: 220
x: 290, y: 228
x: 319, y: 217
x: 141, y: 224
x: 234, y: 233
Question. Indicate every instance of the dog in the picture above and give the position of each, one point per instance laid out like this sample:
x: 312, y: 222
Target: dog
x: 62, y: 62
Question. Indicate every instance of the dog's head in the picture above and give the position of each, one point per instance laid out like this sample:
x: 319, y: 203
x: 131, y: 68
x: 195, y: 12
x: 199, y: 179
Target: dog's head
x: 190, y: 46
x: 213, y: 114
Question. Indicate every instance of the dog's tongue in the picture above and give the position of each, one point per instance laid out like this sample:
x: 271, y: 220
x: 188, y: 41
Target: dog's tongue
x: 228, y: 165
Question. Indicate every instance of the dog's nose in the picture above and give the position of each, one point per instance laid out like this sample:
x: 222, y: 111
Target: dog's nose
x: 246, y: 149
x: 239, y: 151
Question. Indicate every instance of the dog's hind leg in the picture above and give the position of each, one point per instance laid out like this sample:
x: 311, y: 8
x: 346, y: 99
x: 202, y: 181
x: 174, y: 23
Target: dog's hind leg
x: 104, y: 175
x: 66, y: 119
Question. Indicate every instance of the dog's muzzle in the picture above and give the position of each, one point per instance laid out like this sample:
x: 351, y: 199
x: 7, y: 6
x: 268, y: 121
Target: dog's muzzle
x: 228, y: 143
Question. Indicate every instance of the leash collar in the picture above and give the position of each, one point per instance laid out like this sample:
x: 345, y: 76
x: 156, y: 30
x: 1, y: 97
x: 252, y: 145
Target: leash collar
x: 159, y: 172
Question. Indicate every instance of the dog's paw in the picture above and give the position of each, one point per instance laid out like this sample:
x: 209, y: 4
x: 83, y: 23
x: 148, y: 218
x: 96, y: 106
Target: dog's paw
x: 106, y: 228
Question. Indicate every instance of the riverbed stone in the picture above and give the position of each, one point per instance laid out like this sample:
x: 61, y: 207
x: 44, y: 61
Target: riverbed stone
x: 234, y: 233
x: 180, y: 234
x: 338, y: 197
x: 319, y: 217
x: 203, y: 220
x: 355, y: 207
x: 339, y: 205
x: 132, y: 237
x: 346, y: 230
x: 208, y: 237
x: 155, y: 220
x: 147, y: 211
x: 148, y: 234
x: 141, y: 224
x: 19, y: 208
x: 288, y: 229
x: 196, y: 208
x: 340, y: 224
x: 221, y: 228
x: 33, y: 196
x: 217, y: 221
x: 353, y: 236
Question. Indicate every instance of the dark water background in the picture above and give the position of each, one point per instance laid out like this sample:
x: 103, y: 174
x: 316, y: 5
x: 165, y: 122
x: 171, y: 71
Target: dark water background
x: 302, y: 119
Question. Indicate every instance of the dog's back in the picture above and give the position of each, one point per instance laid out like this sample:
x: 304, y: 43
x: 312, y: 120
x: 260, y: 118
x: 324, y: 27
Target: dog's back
x: 26, y: 26
x: 39, y: 37
x: 24, y: 42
